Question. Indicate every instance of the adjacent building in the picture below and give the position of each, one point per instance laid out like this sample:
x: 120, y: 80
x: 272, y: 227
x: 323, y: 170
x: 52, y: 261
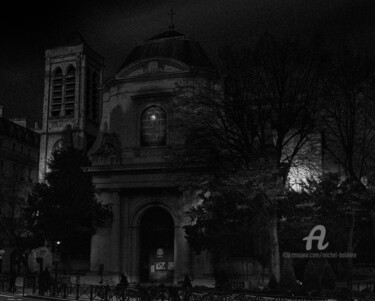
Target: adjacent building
x: 19, y: 159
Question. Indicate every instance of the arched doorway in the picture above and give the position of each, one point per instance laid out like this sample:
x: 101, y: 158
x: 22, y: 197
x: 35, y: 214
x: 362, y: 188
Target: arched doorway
x: 156, y: 246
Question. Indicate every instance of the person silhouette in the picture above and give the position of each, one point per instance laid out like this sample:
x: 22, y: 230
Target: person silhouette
x: 124, y: 281
x: 187, y: 282
x: 12, y: 280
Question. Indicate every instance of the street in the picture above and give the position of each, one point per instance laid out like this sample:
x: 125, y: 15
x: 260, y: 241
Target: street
x: 16, y: 297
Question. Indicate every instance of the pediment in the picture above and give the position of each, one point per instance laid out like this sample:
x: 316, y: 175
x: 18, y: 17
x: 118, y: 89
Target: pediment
x: 155, y: 67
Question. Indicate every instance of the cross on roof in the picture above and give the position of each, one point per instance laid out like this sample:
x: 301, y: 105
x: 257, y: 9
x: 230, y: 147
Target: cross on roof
x: 171, y: 26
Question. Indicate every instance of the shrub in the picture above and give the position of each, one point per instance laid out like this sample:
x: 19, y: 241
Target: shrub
x: 311, y: 281
x: 288, y: 277
x: 272, y: 283
x: 328, y: 277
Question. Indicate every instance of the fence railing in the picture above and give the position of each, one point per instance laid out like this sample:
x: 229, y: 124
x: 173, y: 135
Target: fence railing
x: 136, y: 292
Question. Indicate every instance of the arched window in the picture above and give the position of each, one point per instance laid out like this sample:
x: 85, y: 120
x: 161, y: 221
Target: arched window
x: 70, y: 85
x: 153, y: 127
x: 59, y: 144
x: 57, y: 84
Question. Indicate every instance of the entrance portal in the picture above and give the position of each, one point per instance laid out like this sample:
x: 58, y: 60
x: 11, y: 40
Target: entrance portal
x: 157, y: 246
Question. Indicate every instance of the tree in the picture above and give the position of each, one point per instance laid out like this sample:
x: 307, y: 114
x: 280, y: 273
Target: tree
x: 345, y: 208
x: 249, y: 127
x: 64, y: 209
x: 225, y: 225
x: 15, y: 237
x: 348, y: 118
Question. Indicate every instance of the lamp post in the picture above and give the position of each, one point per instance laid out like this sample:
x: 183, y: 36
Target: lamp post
x: 55, y: 262
x: 56, y: 258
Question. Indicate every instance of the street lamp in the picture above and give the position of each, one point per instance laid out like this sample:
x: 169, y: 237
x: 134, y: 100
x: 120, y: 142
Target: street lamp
x: 56, y: 257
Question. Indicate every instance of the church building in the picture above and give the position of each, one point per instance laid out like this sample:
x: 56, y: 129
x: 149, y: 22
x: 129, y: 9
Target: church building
x: 127, y: 126
x: 146, y: 239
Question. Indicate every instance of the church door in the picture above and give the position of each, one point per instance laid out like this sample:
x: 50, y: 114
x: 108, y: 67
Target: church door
x: 157, y: 246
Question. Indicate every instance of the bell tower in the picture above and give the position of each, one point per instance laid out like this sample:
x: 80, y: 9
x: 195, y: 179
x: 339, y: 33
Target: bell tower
x: 72, y: 106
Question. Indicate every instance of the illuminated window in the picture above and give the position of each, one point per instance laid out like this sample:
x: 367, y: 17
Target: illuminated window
x: 69, y: 95
x: 57, y: 83
x: 153, y: 127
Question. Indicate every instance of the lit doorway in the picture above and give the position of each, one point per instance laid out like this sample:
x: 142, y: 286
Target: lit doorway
x: 157, y: 246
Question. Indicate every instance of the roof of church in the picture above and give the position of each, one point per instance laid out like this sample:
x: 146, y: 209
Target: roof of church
x: 166, y: 35
x: 171, y: 44
x: 16, y: 131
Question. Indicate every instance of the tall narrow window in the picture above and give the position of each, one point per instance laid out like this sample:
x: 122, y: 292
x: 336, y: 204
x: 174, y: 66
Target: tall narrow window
x: 69, y: 97
x: 95, y: 97
x: 57, y: 84
x: 88, y: 94
x: 153, y: 127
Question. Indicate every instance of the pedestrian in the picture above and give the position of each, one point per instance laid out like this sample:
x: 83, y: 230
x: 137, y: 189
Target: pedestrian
x: 12, y: 280
x: 44, y: 281
x: 187, y: 282
x: 124, y: 281
x: 47, y: 277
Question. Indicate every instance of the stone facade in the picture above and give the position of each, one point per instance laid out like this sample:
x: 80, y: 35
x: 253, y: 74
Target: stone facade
x: 130, y: 168
x: 127, y: 127
x: 73, y: 74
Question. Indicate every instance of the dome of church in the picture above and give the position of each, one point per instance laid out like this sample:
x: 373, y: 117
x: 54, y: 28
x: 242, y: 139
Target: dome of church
x: 171, y: 44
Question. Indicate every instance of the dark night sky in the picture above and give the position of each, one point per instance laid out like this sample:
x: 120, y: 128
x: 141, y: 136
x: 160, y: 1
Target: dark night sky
x: 114, y: 27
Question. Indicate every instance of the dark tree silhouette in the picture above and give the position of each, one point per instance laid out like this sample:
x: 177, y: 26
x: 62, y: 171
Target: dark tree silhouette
x: 349, y: 115
x: 249, y: 127
x: 65, y: 208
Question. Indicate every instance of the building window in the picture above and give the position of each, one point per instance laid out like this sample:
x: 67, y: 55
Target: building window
x: 153, y: 127
x: 1, y: 143
x: 14, y: 147
x: 1, y: 167
x: 57, y: 84
x: 69, y: 95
